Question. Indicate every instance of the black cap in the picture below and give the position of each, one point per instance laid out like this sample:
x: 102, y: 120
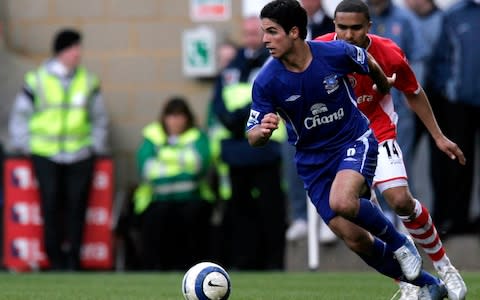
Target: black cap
x: 66, y: 38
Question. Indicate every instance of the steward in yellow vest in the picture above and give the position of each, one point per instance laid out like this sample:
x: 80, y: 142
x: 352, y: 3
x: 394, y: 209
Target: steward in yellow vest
x: 172, y: 169
x: 173, y: 160
x: 59, y: 120
x: 64, y: 123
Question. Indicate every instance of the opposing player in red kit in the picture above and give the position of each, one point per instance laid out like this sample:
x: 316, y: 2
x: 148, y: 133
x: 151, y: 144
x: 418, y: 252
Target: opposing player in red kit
x: 352, y: 23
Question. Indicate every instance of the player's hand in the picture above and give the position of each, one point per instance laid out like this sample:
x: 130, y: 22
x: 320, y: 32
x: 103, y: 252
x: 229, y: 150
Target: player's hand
x: 390, y: 81
x: 269, y: 124
x: 451, y: 149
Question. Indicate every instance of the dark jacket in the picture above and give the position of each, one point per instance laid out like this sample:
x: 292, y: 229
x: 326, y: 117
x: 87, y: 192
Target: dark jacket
x: 235, y: 150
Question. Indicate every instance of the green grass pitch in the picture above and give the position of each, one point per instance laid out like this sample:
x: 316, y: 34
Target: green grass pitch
x: 166, y: 286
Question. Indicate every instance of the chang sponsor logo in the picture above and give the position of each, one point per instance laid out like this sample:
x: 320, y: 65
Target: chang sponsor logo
x: 320, y: 118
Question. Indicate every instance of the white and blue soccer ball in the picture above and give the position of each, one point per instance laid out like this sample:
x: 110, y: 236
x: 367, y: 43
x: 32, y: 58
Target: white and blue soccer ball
x: 206, y: 281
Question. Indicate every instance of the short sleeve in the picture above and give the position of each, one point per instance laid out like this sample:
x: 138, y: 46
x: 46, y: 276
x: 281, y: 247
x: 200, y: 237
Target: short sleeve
x: 406, y: 80
x: 357, y: 58
x: 261, y: 105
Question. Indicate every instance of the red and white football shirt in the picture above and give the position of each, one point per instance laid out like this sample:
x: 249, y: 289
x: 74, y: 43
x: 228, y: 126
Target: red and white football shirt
x: 376, y: 106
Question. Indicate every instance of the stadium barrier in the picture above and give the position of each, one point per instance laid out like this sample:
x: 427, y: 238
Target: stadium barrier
x: 23, y: 225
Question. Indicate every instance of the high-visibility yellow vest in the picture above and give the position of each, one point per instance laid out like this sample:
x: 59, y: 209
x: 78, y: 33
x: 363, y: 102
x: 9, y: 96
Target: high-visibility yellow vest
x: 216, y: 133
x: 172, y: 160
x: 176, y: 172
x: 239, y: 95
x: 60, y: 122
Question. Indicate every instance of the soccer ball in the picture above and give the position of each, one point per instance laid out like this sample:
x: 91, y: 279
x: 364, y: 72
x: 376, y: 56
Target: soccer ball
x: 206, y: 281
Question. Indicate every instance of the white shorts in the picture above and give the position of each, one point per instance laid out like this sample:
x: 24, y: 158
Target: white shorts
x: 390, y: 171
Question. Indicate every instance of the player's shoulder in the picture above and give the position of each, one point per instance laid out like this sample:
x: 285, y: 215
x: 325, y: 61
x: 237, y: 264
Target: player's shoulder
x: 327, y: 48
x: 326, y: 37
x: 384, y: 42
x: 385, y: 45
x: 268, y: 72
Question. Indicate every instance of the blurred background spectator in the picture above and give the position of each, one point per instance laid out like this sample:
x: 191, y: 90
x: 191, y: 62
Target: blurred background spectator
x: 175, y: 213
x: 60, y: 121
x: 219, y: 177
x: 455, y: 68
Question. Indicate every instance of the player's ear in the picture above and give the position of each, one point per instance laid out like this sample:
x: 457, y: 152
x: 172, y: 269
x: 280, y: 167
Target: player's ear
x: 294, y: 32
x: 369, y: 26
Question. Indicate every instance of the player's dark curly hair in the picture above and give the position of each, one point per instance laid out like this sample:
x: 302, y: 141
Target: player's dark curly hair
x: 288, y: 14
x: 355, y: 6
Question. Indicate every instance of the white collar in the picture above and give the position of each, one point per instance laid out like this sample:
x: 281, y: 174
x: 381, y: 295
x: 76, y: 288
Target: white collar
x: 56, y: 67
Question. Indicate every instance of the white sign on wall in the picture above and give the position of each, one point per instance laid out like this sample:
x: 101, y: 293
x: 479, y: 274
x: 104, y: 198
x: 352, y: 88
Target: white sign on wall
x: 199, y: 46
x: 210, y: 10
x: 253, y: 7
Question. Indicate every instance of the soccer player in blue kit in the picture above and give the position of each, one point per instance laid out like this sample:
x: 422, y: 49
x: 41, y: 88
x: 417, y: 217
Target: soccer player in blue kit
x: 306, y: 83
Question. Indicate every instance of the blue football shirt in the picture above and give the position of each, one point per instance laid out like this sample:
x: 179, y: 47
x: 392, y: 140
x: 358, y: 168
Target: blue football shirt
x: 318, y: 104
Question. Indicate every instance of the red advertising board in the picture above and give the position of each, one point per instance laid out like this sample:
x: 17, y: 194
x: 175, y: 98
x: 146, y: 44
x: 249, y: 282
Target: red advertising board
x: 23, y: 225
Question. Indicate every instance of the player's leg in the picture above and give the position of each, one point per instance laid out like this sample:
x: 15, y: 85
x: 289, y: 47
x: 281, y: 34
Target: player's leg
x: 344, y: 202
x: 376, y: 253
x: 353, y: 179
x: 419, y: 224
x: 391, y: 180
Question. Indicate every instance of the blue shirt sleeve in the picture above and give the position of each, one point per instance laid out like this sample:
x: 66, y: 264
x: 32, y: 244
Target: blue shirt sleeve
x: 357, y: 58
x: 261, y: 105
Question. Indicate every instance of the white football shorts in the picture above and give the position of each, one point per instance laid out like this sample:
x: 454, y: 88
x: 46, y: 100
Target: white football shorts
x: 390, y: 171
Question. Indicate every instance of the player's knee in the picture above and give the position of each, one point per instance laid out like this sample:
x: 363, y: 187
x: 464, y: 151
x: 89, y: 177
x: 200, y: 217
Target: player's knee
x: 401, y: 202
x: 343, y: 207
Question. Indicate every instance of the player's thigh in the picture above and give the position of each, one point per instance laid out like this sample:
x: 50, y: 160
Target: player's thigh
x: 356, y: 238
x: 390, y: 166
x: 346, y: 188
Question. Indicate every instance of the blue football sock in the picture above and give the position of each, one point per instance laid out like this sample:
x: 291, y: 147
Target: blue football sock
x: 381, y: 259
x: 371, y: 218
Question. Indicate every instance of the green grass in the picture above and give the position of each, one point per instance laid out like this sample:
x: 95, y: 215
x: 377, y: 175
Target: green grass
x: 166, y: 286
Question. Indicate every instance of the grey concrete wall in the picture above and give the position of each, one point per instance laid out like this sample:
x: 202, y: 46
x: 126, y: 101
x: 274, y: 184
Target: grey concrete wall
x: 135, y: 48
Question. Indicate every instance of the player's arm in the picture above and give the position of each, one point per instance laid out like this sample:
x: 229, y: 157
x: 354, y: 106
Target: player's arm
x: 261, y: 133
x: 382, y: 82
x: 421, y: 106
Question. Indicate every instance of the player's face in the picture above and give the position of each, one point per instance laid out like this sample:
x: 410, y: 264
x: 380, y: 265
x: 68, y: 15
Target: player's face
x: 352, y: 27
x: 71, y: 56
x: 276, y: 40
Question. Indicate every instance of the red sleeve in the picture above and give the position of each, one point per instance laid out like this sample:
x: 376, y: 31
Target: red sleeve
x: 394, y: 60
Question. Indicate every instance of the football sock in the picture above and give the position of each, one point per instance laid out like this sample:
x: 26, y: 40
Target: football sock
x: 382, y: 260
x: 371, y: 218
x: 421, y: 228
